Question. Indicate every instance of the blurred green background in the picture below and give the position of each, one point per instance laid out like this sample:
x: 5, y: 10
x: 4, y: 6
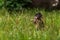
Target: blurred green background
x: 16, y: 23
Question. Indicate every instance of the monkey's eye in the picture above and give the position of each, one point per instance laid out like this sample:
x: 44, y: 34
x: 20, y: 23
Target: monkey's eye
x: 38, y: 18
x: 35, y: 17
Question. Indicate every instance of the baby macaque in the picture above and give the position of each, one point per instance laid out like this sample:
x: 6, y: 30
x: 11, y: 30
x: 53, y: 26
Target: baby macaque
x: 38, y: 21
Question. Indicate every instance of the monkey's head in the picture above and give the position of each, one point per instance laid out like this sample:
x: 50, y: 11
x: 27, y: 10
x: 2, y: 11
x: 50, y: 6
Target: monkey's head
x: 37, y: 17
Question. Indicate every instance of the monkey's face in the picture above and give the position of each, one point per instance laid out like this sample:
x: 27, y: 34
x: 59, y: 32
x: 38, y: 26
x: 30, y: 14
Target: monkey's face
x: 36, y: 20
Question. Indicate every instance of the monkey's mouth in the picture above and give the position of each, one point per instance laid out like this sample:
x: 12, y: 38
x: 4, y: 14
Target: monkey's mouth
x: 34, y: 22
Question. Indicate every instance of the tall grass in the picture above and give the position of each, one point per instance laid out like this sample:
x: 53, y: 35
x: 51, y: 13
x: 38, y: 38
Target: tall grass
x: 19, y: 26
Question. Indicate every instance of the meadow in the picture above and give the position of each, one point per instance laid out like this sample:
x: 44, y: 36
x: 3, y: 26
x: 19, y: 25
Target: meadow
x: 20, y: 26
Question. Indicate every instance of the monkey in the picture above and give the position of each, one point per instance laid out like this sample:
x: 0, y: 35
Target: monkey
x: 38, y: 21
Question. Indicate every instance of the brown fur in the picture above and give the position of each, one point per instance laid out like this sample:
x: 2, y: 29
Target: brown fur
x: 38, y: 21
